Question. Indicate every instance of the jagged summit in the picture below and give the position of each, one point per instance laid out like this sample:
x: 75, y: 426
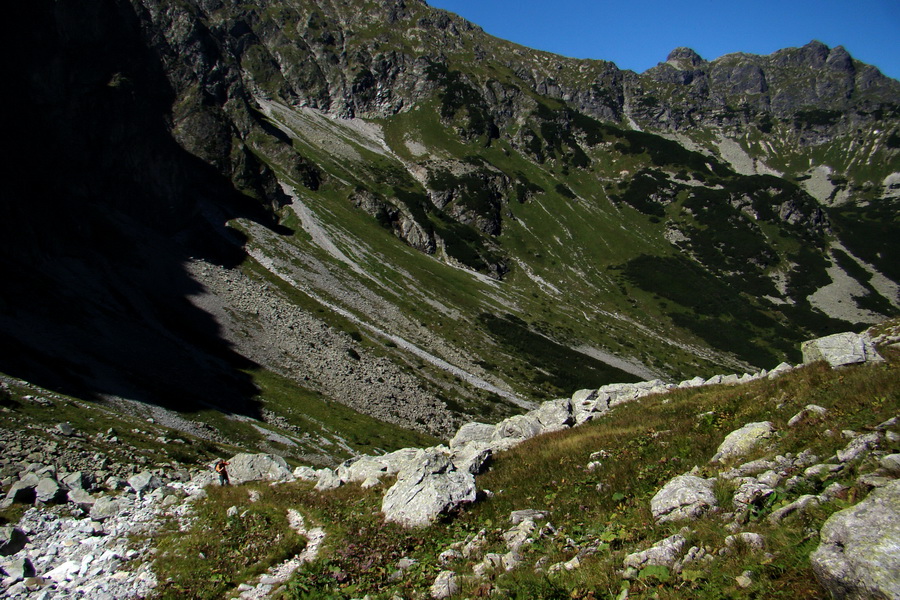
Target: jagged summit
x: 684, y: 59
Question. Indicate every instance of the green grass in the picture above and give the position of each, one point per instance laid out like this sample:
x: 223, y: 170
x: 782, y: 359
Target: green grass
x: 645, y: 444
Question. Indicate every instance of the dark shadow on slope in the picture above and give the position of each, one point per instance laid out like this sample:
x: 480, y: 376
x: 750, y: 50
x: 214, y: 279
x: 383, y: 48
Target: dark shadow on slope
x: 100, y: 210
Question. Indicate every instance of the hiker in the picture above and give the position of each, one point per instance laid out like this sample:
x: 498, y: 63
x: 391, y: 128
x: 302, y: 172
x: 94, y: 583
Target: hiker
x: 222, y: 471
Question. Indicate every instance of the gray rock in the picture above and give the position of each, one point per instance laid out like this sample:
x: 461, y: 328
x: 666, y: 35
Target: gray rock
x: 24, y: 489
x: 859, y: 447
x: 528, y: 514
x: 472, y: 432
x: 78, y: 480
x: 684, y: 497
x: 328, y: 480
x: 554, y: 415
x: 48, y: 490
x: 473, y: 457
x: 857, y: 556
x: 19, y: 569
x: 891, y: 463
x: 305, y: 474
x: 65, y: 429
x: 588, y: 404
x: 12, y: 539
x: 797, y: 506
x: 104, y: 508
x: 258, y: 467
x: 663, y: 553
x: 431, y: 485
x: 445, y: 585
x: 144, y: 482
x: 515, y: 430
x: 744, y: 440
x: 750, y: 540
x: 841, y: 349
x: 361, y: 468
x: 809, y: 414
x: 751, y: 492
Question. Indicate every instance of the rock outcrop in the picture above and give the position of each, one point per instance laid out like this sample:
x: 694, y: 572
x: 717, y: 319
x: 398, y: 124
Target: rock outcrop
x: 859, y: 553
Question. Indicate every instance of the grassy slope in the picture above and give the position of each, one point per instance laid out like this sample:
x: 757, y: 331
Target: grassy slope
x: 646, y: 443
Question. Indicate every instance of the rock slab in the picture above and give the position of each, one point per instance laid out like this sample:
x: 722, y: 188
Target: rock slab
x: 859, y: 552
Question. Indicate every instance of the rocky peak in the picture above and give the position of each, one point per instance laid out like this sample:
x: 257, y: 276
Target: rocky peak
x: 684, y: 59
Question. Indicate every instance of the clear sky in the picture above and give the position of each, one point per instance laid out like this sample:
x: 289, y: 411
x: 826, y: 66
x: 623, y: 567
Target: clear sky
x: 638, y: 34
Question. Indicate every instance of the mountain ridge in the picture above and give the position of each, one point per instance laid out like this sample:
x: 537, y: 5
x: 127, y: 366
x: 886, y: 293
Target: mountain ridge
x: 231, y: 134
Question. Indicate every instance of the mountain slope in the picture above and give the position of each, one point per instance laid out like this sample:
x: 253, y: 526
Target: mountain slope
x: 418, y: 220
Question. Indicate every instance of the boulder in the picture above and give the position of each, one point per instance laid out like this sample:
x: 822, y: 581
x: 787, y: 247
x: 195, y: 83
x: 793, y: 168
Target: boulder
x: 473, y: 458
x: 857, y: 555
x: 258, y: 467
x: 809, y: 414
x: 426, y: 488
x: 515, y: 430
x: 328, y: 480
x: 104, y: 508
x: 587, y: 404
x: 305, y: 474
x: 19, y: 569
x: 445, y: 585
x: 841, y: 349
x: 48, y: 490
x: 684, y: 497
x: 65, y: 429
x: 859, y: 447
x: 81, y: 498
x: 23, y: 490
x: 472, y: 432
x: 663, y: 553
x: 79, y: 480
x: 554, y: 415
x: 12, y: 539
x: 361, y: 468
x: 744, y: 440
x: 144, y: 482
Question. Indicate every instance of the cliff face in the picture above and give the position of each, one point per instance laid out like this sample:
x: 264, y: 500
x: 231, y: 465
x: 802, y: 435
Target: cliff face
x: 333, y: 150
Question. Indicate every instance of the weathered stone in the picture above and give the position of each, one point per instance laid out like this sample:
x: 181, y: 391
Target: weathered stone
x: 515, y: 430
x: 859, y: 447
x: 104, y: 508
x: 19, y: 569
x: 750, y: 493
x: 258, y: 467
x: 841, y: 349
x: 48, y: 490
x: 328, y: 480
x: 809, y: 414
x: 750, y: 540
x: 473, y: 457
x: 305, y: 474
x: 428, y: 487
x: 144, y: 482
x: 554, y: 415
x: 744, y: 440
x: 588, y: 404
x: 528, y: 514
x: 12, y: 539
x: 857, y: 556
x: 890, y: 463
x: 361, y: 468
x: 797, y: 506
x: 472, y: 432
x: 684, y: 497
x: 65, y: 429
x: 78, y: 480
x: 663, y: 553
x: 445, y: 585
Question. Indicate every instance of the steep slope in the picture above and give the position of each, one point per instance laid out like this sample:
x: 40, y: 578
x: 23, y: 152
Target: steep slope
x: 416, y: 219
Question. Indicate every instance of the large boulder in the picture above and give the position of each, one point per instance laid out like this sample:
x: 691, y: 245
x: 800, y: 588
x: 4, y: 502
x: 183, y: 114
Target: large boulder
x: 48, y: 490
x: 144, y: 482
x: 858, y: 553
x: 554, y: 415
x: 663, y: 553
x: 841, y: 349
x: 472, y: 433
x: 515, y: 430
x: 12, y: 539
x: 744, y: 440
x: 429, y: 486
x: 587, y: 404
x: 684, y: 497
x: 258, y: 467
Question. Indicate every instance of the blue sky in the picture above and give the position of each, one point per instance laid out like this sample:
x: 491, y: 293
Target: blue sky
x: 638, y: 34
